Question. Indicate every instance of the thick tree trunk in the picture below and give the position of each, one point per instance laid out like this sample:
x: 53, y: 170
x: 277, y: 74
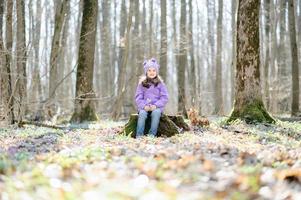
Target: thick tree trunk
x: 84, y: 104
x: 219, y: 108
x: 163, y: 48
x: 294, y: 54
x: 168, y: 126
x: 121, y: 78
x: 299, y: 27
x: 248, y: 100
x: 21, y: 82
x: 182, y: 62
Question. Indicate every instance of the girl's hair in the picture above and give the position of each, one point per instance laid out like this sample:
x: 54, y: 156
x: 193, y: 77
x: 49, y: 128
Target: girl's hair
x: 148, y: 81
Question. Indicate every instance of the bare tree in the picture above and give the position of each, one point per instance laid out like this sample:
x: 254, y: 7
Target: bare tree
x: 36, y: 85
x: 193, y: 87
x: 60, y: 17
x: 84, y: 105
x: 273, y: 50
x: 21, y: 83
x: 267, y: 25
x: 106, y: 75
x: 163, y: 48
x: 182, y: 61
x: 4, y: 93
x: 248, y: 99
x: 150, y: 26
x: 6, y: 80
x: 218, y: 70
x: 294, y: 54
x: 233, y: 64
x: 121, y: 78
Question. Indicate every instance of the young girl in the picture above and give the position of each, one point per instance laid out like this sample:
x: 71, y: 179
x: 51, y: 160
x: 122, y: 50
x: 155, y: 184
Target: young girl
x: 151, y: 97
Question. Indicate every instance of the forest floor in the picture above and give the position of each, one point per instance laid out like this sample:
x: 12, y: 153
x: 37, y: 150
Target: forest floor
x: 237, y: 161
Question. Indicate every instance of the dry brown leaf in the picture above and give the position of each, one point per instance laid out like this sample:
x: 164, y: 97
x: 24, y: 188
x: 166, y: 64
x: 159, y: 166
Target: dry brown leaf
x: 208, y: 165
x: 195, y: 119
x: 289, y: 174
x: 246, y: 158
x: 184, y: 161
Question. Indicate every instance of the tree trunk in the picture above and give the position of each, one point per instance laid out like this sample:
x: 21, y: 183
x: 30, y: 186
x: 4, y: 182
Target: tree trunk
x: 35, y: 86
x: 200, y: 62
x: 182, y: 62
x: 295, y: 66
x: 193, y: 86
x: 21, y: 82
x: 84, y: 104
x: 6, y: 83
x: 299, y: 27
x: 279, y: 73
x: 273, y: 49
x: 144, y: 30
x: 218, y: 83
x: 106, y: 76
x: 175, y: 35
x: 65, y: 68
x: 248, y: 100
x: 233, y: 64
x: 4, y: 95
x: 150, y: 31
x: 163, y: 48
x: 137, y: 58
x: 121, y: 78
x: 121, y: 45
x: 211, y: 53
x: 60, y: 15
x: 282, y: 52
x: 122, y: 27
x: 267, y: 13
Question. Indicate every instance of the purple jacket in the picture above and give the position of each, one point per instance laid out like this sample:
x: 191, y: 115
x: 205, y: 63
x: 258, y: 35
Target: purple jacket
x: 157, y: 96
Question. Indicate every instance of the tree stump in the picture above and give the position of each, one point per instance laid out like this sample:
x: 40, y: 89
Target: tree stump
x: 168, y: 126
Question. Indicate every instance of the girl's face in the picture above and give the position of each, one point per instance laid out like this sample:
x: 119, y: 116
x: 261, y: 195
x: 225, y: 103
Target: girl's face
x: 151, y: 72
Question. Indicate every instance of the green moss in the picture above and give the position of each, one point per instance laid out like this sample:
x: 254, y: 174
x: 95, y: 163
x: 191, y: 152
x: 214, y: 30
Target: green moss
x: 252, y: 113
x: 86, y: 114
x: 130, y: 128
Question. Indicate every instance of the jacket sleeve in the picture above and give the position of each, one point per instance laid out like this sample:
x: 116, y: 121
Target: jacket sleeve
x: 139, y: 97
x: 163, y: 97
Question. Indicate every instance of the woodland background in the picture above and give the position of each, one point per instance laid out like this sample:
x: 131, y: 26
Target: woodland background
x: 194, y: 40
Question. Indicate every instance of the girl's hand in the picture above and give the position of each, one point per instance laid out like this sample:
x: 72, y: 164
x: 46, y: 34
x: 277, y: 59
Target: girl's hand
x: 147, y: 108
x: 153, y: 107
